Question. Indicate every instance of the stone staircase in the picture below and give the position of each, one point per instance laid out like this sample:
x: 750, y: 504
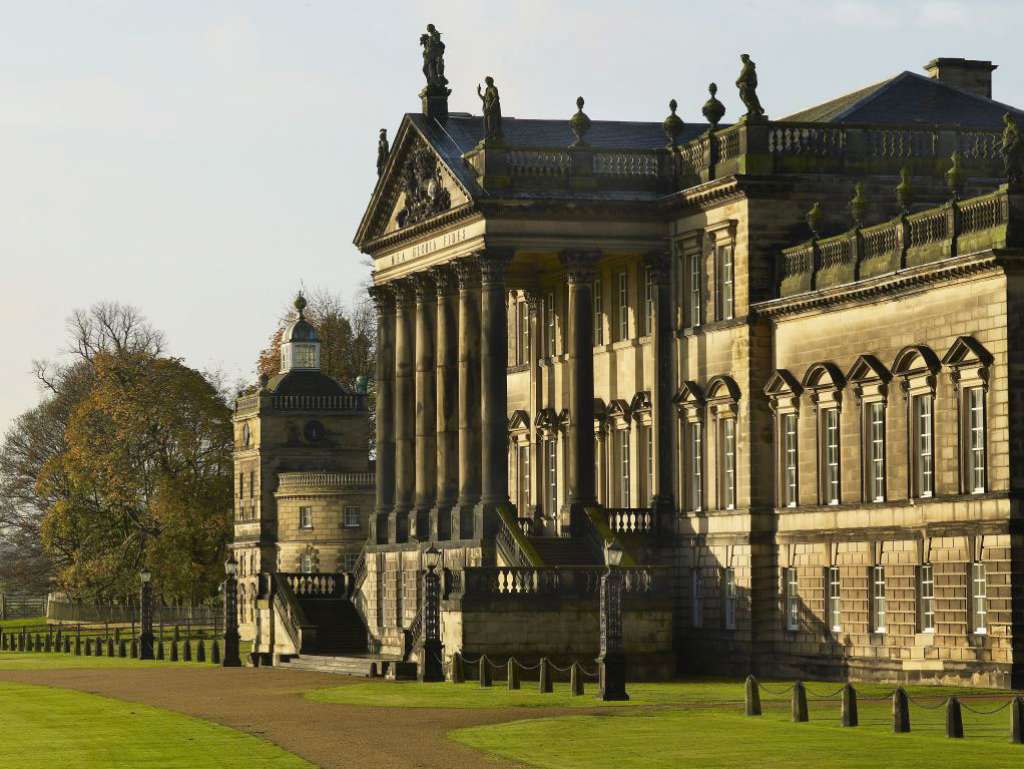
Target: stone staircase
x: 359, y: 666
x: 564, y: 551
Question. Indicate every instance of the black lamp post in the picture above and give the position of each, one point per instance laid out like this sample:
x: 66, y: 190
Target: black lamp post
x: 612, y: 662
x: 146, y: 603
x: 432, y: 668
x: 231, y: 658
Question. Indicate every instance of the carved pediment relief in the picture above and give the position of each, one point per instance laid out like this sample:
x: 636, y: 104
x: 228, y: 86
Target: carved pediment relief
x: 416, y: 186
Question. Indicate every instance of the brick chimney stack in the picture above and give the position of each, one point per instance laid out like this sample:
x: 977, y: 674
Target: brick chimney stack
x: 971, y: 75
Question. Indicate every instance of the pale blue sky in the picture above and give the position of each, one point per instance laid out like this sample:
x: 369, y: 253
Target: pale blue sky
x: 200, y: 159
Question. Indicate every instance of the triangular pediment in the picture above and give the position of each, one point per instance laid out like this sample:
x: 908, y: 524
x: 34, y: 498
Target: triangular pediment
x: 782, y: 382
x: 417, y: 186
x: 967, y: 350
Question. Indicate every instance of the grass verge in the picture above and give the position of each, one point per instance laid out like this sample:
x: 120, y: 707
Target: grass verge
x: 46, y: 727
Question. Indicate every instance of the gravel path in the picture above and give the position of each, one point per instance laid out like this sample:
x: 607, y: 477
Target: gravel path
x: 269, y: 703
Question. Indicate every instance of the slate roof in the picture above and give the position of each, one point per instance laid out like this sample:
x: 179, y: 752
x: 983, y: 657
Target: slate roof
x: 909, y: 98
x: 305, y: 383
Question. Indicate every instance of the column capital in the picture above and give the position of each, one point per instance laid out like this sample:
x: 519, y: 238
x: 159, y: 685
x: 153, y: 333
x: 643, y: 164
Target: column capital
x: 492, y: 265
x: 404, y: 292
x: 534, y: 297
x: 467, y: 272
x: 425, y: 287
x: 658, y: 265
x: 445, y: 280
x: 579, y: 264
x: 383, y: 298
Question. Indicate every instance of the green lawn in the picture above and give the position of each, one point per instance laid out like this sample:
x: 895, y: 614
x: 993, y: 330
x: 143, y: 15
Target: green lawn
x: 53, y: 661
x: 411, y: 694
x: 709, y: 734
x: 17, y: 624
x: 45, y: 727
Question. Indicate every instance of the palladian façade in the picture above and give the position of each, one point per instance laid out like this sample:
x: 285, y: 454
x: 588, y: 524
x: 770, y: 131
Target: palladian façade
x: 780, y: 362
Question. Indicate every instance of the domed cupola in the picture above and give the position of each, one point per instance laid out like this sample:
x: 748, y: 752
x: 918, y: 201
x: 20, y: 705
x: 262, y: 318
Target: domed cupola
x: 300, y: 345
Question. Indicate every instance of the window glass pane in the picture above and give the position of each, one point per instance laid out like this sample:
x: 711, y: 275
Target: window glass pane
x: 598, y: 313
x: 979, y: 598
x: 697, y: 465
x: 789, y: 457
x: 549, y: 323
x: 729, y: 463
x: 926, y: 593
x: 876, y: 468
x: 831, y: 458
x: 552, y: 473
x: 623, y: 306
x: 834, y: 609
x: 624, y: 478
x: 725, y: 282
x: 878, y: 598
x: 649, y: 457
x: 923, y: 445
x: 695, y: 289
x: 792, y: 599
x: 976, y: 445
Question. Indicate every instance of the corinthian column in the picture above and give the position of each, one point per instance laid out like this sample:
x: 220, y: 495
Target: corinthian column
x: 494, y: 390
x: 426, y: 402
x: 447, y: 385
x: 468, y: 273
x: 405, y: 407
x: 384, y: 302
x: 663, y: 502
x: 533, y: 302
x: 579, y: 266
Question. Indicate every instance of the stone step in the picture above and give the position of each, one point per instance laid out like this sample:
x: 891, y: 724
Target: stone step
x: 352, y: 666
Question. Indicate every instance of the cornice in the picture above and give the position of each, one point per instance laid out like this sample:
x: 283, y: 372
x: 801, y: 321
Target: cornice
x: 884, y: 286
x: 416, y: 231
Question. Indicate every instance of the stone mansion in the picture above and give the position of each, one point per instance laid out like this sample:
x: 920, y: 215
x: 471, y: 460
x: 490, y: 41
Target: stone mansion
x: 780, y: 361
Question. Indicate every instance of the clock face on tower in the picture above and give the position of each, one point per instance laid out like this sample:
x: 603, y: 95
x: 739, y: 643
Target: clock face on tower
x: 314, y: 431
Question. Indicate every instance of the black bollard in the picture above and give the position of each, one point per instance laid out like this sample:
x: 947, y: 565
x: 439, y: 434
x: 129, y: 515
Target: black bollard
x: 134, y: 648
x: 458, y: 669
x: 200, y: 650
x: 900, y: 712
x: 798, y: 705
x: 849, y: 708
x: 954, y: 719
x: 98, y: 648
x: 3, y: 641
x: 78, y: 646
x: 512, y: 676
x: 110, y: 647
x: 48, y: 643
x: 544, y: 681
x: 122, y: 648
x: 1017, y: 721
x: 160, y: 649
x: 174, y: 651
x: 215, y: 652
x: 186, y: 650
x: 575, y: 681
x: 39, y: 643
x: 88, y: 647
x: 67, y: 644
x: 485, y: 671
x: 753, y: 697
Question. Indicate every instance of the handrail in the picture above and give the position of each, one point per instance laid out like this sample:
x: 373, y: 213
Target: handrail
x: 510, y: 537
x: 414, y: 633
x: 292, y: 616
x: 602, y: 535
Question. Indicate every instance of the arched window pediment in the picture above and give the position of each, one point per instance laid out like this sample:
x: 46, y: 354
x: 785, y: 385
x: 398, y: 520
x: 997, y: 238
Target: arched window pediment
x: 722, y: 388
x: 822, y: 376
x: 915, y: 359
x: 867, y: 368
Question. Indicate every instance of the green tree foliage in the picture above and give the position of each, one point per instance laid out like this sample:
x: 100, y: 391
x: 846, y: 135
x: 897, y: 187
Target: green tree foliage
x: 145, y: 479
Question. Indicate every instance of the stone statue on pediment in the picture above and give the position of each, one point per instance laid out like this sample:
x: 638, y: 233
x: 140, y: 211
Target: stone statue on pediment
x: 747, y: 85
x: 433, y: 58
x: 492, y: 111
x: 1012, y: 150
x: 383, y: 150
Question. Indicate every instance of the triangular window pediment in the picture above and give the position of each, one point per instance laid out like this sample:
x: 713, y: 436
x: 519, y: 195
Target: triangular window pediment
x: 967, y: 351
x: 868, y: 368
x: 782, y: 382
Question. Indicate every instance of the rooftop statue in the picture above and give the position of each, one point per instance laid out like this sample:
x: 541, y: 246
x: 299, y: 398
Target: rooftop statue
x: 747, y: 85
x: 492, y: 112
x: 383, y: 150
x: 433, y: 58
x: 1013, y: 151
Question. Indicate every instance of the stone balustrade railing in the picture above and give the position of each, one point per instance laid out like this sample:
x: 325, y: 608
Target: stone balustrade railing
x: 770, y: 147
x: 974, y: 225
x: 630, y: 520
x: 354, y: 402
x: 569, y: 581
x: 298, y: 482
x: 317, y: 585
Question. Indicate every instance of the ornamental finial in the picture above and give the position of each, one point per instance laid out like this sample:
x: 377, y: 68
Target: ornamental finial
x: 713, y: 109
x: 580, y: 124
x: 672, y: 125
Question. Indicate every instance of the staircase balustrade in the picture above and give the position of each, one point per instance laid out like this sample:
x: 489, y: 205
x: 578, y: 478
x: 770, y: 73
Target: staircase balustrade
x: 559, y: 580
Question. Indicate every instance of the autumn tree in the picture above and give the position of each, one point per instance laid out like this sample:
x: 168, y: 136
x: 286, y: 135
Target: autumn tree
x: 145, y: 479
x: 38, y: 436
